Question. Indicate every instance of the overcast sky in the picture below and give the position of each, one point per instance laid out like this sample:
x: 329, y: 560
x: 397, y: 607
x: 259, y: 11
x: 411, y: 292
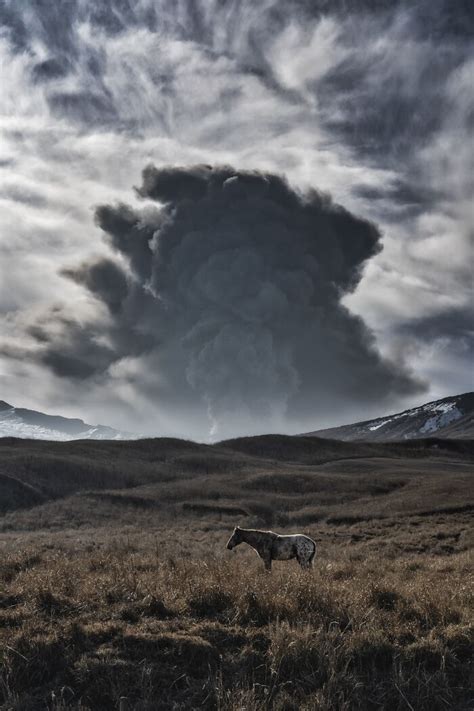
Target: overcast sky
x: 235, y: 217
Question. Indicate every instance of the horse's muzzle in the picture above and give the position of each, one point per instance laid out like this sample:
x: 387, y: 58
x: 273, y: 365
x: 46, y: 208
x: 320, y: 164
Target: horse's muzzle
x: 229, y: 546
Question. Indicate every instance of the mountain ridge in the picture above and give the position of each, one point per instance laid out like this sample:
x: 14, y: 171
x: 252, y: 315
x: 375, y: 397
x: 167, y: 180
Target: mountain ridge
x: 451, y: 416
x: 31, y: 424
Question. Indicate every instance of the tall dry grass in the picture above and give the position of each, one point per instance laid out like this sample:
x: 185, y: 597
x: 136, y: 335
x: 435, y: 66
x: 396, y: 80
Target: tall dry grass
x: 138, y: 630
x: 123, y: 598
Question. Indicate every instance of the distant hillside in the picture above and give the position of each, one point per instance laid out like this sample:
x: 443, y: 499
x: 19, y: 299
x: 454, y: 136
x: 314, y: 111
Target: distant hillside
x: 30, y: 424
x: 262, y: 481
x: 451, y: 417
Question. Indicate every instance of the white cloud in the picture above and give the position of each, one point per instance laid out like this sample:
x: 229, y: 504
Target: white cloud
x: 242, y: 88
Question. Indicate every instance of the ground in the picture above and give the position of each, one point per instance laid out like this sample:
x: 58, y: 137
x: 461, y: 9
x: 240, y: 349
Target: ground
x: 116, y: 590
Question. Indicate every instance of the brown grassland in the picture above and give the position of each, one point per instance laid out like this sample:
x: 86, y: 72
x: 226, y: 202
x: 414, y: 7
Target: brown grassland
x: 116, y: 591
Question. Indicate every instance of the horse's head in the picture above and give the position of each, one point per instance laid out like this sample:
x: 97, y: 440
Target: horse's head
x: 235, y: 539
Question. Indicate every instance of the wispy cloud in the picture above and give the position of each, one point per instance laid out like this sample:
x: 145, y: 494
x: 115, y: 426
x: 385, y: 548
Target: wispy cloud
x: 372, y: 105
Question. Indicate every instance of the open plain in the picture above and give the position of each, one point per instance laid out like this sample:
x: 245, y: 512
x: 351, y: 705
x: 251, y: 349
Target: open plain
x: 116, y: 590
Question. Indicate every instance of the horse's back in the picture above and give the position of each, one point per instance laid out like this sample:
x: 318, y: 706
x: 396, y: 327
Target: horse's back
x: 299, y: 537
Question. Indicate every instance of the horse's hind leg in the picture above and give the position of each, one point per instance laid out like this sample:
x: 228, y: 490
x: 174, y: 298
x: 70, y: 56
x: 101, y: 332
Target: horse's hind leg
x: 305, y: 562
x: 305, y: 558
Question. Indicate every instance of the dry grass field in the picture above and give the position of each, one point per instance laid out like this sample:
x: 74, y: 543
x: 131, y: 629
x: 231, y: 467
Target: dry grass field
x: 116, y: 591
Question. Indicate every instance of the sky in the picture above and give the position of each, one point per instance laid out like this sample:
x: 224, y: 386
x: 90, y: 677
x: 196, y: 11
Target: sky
x: 221, y: 218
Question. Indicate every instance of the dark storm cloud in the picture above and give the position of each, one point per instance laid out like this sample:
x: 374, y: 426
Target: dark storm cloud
x: 235, y: 288
x: 66, y: 346
x: 80, y: 349
x: 263, y: 209
x: 381, y: 99
x: 129, y: 233
x: 175, y: 184
x: 50, y: 69
x: 104, y: 279
x: 398, y: 200
x: 388, y: 97
x: 456, y: 325
x: 445, y: 343
x: 374, y: 122
x: 403, y: 192
x: 369, y: 99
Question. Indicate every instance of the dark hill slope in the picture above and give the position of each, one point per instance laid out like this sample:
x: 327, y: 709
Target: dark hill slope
x: 258, y: 481
x: 310, y: 449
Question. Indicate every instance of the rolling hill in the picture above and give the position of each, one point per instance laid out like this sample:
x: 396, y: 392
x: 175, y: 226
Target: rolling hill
x: 262, y: 481
x: 116, y: 588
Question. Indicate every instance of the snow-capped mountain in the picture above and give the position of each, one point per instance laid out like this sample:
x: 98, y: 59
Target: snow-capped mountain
x: 29, y: 424
x: 450, y: 417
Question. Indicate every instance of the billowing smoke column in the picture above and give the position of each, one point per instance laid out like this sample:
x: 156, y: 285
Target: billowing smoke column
x: 229, y: 290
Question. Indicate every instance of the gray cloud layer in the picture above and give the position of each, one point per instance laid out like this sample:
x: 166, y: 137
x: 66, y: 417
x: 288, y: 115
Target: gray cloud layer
x: 233, y: 292
x: 370, y: 101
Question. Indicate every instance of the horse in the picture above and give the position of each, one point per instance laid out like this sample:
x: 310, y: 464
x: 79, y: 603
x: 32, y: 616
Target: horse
x: 272, y: 546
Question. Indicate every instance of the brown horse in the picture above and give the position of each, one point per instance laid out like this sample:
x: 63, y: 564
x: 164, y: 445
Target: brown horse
x: 271, y: 546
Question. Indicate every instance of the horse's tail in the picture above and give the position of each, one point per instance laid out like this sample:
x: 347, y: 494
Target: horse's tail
x: 311, y: 557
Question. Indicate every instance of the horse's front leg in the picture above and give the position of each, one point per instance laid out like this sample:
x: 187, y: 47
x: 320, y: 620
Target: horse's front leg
x: 266, y: 556
x: 268, y: 563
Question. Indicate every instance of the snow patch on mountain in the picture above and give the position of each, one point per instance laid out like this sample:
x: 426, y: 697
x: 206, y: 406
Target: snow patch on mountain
x: 12, y: 426
x: 448, y: 415
x: 381, y: 423
x: 29, y: 424
x: 422, y: 421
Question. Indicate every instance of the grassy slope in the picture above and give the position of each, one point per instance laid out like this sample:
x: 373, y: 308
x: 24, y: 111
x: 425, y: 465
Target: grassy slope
x: 114, y: 579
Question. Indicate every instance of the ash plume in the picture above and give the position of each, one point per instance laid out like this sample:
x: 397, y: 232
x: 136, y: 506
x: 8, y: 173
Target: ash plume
x: 230, y: 293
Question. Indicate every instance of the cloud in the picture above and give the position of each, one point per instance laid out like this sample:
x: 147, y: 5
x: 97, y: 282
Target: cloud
x: 104, y: 279
x: 369, y: 101
x: 234, y: 293
x: 444, y: 343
